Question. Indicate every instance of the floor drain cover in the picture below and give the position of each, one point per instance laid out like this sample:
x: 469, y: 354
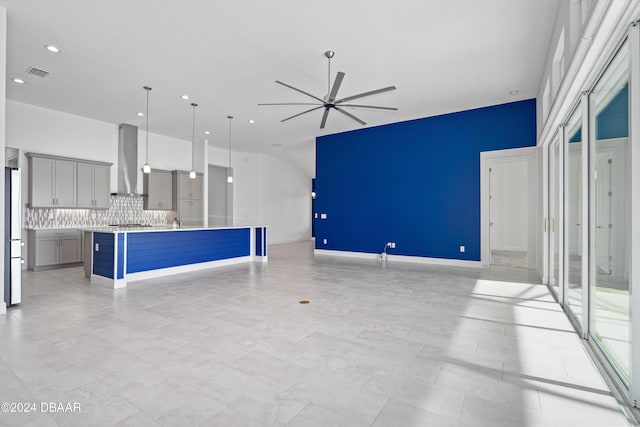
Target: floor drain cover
x: 304, y: 301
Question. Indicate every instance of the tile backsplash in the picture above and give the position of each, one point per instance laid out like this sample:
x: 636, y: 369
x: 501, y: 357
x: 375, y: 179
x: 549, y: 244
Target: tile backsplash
x: 123, y: 210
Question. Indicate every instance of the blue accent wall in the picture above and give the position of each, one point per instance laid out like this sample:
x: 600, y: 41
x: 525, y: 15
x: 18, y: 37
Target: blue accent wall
x: 103, y: 258
x: 415, y: 183
x: 153, y: 250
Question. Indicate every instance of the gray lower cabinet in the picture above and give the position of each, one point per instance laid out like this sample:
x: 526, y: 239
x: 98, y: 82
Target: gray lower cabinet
x: 158, y: 190
x: 54, y: 248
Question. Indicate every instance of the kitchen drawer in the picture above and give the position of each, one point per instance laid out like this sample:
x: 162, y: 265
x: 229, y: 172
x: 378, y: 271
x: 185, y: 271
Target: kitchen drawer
x: 58, y: 233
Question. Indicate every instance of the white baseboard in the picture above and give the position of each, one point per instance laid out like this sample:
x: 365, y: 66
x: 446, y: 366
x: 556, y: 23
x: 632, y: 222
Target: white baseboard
x: 105, y: 281
x: 510, y: 248
x: 400, y: 258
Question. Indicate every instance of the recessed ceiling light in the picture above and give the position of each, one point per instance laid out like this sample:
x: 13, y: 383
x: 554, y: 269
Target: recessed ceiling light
x: 52, y: 48
x: 17, y: 80
x: 514, y: 92
x: 252, y: 121
x: 140, y: 113
x: 185, y: 97
x: 206, y: 132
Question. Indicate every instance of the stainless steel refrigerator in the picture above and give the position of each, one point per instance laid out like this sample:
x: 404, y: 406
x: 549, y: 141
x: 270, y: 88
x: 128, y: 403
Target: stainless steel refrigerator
x: 12, y: 237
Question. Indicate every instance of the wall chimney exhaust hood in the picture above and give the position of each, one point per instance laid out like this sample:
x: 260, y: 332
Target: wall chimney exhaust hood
x: 127, y: 160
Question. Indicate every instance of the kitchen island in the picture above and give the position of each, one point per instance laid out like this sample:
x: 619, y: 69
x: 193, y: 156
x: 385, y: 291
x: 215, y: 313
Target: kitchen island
x: 119, y: 255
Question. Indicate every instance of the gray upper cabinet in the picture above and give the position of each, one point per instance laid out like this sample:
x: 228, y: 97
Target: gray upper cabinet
x: 158, y: 190
x: 188, y: 197
x: 94, y: 181
x: 52, y: 182
x: 58, y: 182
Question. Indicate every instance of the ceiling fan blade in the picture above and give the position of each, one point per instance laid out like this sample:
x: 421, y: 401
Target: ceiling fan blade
x: 369, y: 106
x: 336, y: 86
x: 299, y: 114
x: 299, y: 90
x: 350, y: 115
x: 324, y: 118
x: 290, y: 103
x: 362, y: 95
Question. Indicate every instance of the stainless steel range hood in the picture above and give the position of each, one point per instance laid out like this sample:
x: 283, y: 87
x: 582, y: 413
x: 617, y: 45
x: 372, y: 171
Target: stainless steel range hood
x: 128, y: 160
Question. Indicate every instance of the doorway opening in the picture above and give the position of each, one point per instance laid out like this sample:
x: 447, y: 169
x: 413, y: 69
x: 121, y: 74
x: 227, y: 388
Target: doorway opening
x: 220, y: 197
x: 509, y: 207
x: 508, y: 212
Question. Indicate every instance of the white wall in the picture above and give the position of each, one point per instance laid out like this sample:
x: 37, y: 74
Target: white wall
x: 267, y: 190
x: 270, y: 191
x: 40, y: 130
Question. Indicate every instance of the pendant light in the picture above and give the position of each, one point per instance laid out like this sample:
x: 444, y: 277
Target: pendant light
x: 192, y: 174
x: 229, y: 176
x: 147, y: 168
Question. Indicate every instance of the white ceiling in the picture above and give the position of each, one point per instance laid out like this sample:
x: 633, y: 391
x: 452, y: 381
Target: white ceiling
x: 443, y: 56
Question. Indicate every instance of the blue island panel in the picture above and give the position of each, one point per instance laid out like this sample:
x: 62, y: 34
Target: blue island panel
x: 103, y: 257
x: 120, y: 255
x: 163, y: 249
x: 261, y: 239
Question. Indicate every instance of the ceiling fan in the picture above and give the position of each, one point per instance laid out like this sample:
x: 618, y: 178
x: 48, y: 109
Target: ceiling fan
x: 331, y: 100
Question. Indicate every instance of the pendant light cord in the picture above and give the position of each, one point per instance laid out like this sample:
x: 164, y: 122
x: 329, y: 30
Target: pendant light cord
x: 193, y: 134
x: 230, y: 117
x: 147, y: 88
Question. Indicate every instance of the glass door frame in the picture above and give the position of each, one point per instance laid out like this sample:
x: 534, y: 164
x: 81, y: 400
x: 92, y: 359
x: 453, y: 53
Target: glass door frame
x: 555, y: 224
x: 581, y: 323
x: 634, y: 159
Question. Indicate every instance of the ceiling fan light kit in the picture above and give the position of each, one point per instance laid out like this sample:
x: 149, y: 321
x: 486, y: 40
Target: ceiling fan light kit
x: 330, y: 100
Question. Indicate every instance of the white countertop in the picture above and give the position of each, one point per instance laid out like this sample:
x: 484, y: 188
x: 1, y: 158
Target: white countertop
x: 115, y: 229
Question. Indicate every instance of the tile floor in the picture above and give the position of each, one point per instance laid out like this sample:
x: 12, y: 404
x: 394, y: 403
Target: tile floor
x: 378, y: 345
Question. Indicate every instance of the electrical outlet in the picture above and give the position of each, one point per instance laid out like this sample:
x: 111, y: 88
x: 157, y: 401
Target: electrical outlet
x: 323, y: 216
x: 393, y: 245
x: 315, y: 215
x: 461, y: 248
x: 324, y: 241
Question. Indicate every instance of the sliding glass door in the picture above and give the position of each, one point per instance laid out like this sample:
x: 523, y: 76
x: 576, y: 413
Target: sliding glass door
x: 611, y: 222
x: 554, y: 216
x: 573, y: 212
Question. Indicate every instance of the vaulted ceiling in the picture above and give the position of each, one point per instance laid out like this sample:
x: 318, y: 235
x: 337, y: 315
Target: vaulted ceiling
x: 443, y: 56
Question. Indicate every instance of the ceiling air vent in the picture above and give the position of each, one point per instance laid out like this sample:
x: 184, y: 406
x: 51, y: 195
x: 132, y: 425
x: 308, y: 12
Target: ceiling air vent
x: 37, y: 72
